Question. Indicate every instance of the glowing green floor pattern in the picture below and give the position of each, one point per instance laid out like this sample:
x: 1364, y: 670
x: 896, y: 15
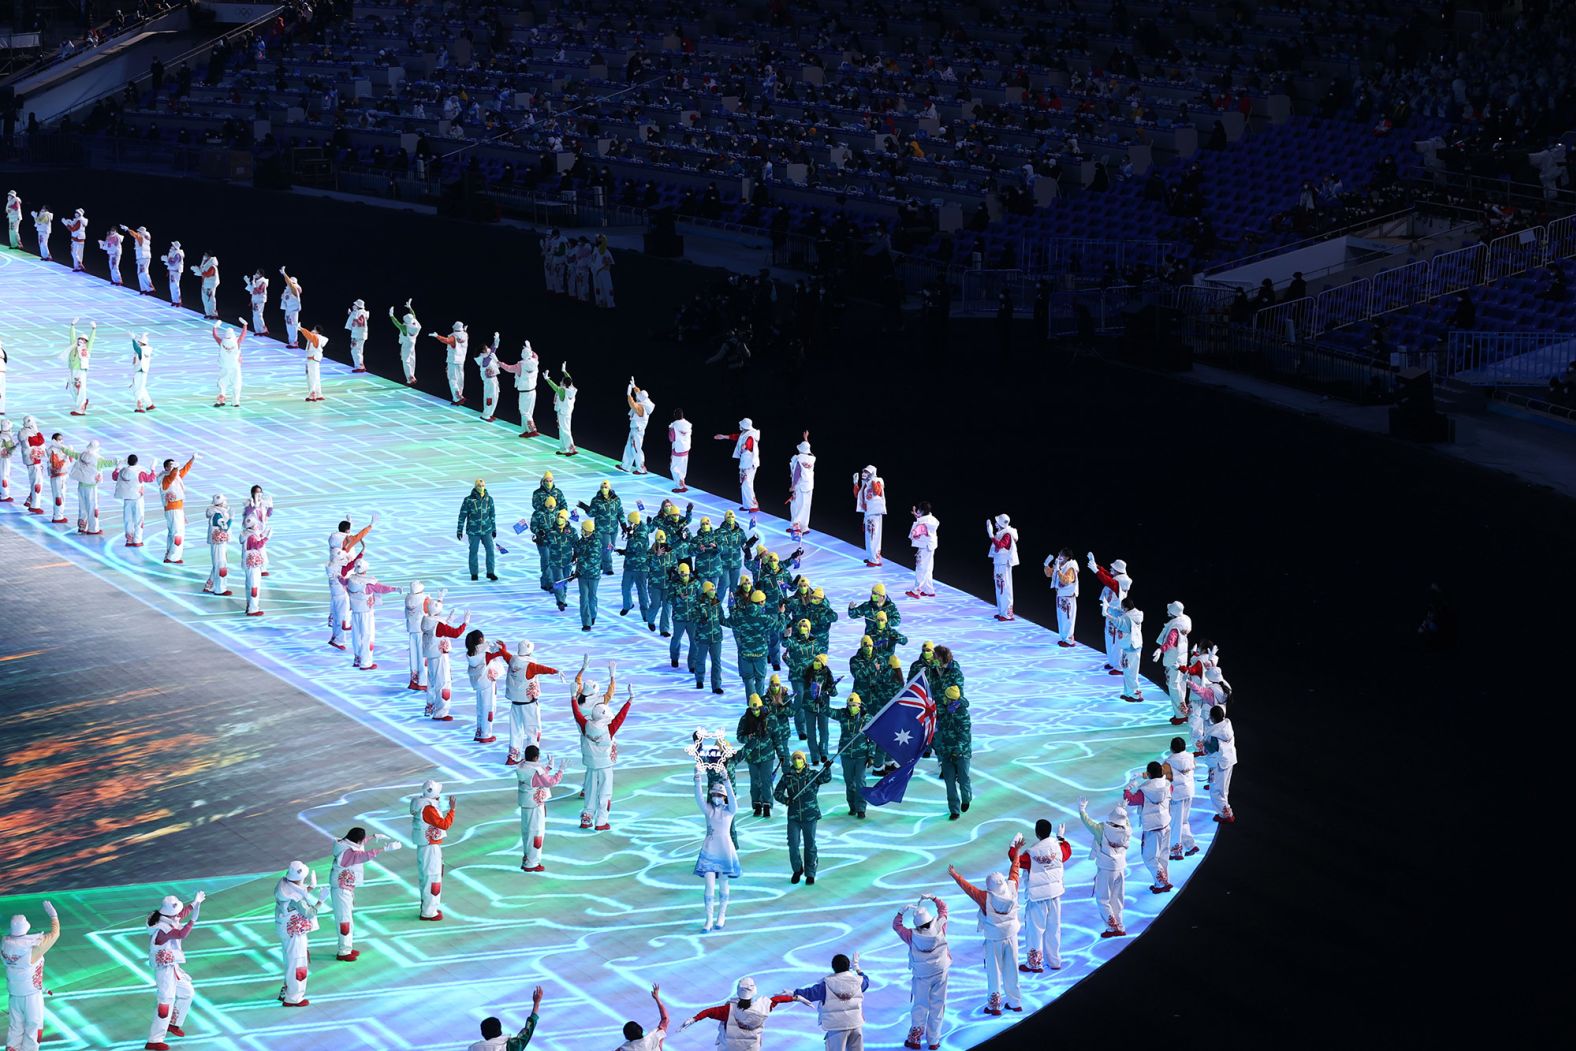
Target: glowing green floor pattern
x: 615, y: 911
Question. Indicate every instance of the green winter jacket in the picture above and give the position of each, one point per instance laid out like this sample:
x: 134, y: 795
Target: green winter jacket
x: 868, y: 610
x: 797, y: 788
x: 541, y: 493
x: 476, y: 515
x: 637, y: 547
x: 953, y: 729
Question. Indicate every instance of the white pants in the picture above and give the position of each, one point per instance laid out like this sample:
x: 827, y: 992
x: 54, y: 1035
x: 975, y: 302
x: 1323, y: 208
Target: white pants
x: 678, y: 466
x: 344, y: 899
x: 254, y: 587
x: 1220, y: 788
x: 87, y: 508
x: 175, y: 286
x: 429, y: 872
x: 35, y: 485
x: 1130, y: 685
x: 363, y: 637
x: 1181, y: 808
x: 76, y: 253
x: 292, y: 325
x: 747, y: 489
x: 440, y: 688
x: 486, y: 705
x: 1176, y: 688
x: 924, y: 570
x: 5, y: 468
x: 603, y: 283
x: 489, y: 396
x: 418, y: 666
x: 131, y: 513
x: 57, y: 492
x: 566, y: 438
x: 1001, y: 970
x: 799, y: 509
x: 25, y: 1027
x: 210, y: 306
x: 259, y: 327
x: 174, y: 992
x: 79, y: 390
x: 14, y: 228
x: 599, y: 796
x: 635, y: 449
x: 144, y: 279
x: 527, y: 409
x: 533, y: 830
x: 1157, y: 853
x: 1113, y: 650
x: 230, y: 382
x: 114, y: 266
x: 174, y: 534
x: 845, y: 1040
x: 1066, y: 617
x: 873, y: 538
x: 314, y: 378
x: 139, y: 389
x: 1108, y: 888
x: 456, y: 380
x: 1043, y: 925
x: 293, y: 955
x: 525, y: 727
x: 407, y: 358
x: 219, y: 556
x: 43, y: 241
x: 929, y: 996
x: 357, y: 351
x: 338, y: 612
x: 1004, y: 592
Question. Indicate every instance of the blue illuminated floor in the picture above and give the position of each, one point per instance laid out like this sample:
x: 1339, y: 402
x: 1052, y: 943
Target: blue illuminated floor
x: 616, y: 911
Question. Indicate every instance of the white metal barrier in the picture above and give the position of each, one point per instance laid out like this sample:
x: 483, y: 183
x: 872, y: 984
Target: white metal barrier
x: 1289, y: 321
x: 1454, y: 271
x: 1344, y: 305
x: 1506, y: 359
x: 1514, y: 253
x: 1399, y: 287
x: 1560, y: 241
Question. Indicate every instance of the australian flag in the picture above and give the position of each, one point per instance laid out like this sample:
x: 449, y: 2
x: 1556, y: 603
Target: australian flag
x: 903, y: 729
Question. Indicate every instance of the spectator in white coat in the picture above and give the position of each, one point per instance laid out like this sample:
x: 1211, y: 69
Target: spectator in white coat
x: 1044, y: 863
x: 1153, y: 794
x: 1221, y: 741
x: 1109, y: 852
x: 999, y: 923
x: 840, y: 1004
x: 929, y: 963
x: 1179, y: 766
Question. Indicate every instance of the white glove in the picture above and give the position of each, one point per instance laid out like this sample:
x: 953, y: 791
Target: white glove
x: 1017, y: 840
x: 375, y: 517
x: 1061, y: 830
x: 49, y: 910
x: 1083, y: 803
x: 199, y: 897
x: 396, y: 845
x: 1155, y: 656
x: 312, y: 882
x: 856, y: 961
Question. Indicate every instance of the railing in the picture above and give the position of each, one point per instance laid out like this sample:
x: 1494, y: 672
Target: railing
x: 1088, y: 256
x: 1215, y: 340
x: 1504, y: 359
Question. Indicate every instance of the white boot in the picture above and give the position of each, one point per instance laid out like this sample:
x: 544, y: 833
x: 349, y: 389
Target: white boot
x: 722, y: 912
x: 710, y: 905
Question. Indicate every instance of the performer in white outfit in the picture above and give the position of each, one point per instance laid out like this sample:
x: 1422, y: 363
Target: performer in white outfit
x: 257, y: 287
x: 1179, y: 767
x: 351, y: 854
x: 535, y: 779
x: 429, y: 827
x: 640, y: 409
x: 484, y: 667
x: 1062, y: 569
x: 175, y: 268
x: 1153, y: 794
x: 1109, y: 851
x: 741, y: 1021
x: 1044, y: 863
x: 31, y: 441
x: 1225, y: 762
x: 216, y: 520
x: 5, y: 361
x: 59, y: 457
x: 415, y: 610
x: 525, y: 372
x: 457, y: 343
x: 8, y: 448
x: 998, y: 905
x: 870, y: 501
x: 229, y: 342
x: 925, y: 536
x: 488, y: 365
x: 142, y: 250
x: 840, y: 1004
x: 1114, y: 586
x: 356, y: 324
x: 409, y: 328
x: 43, y: 226
x: 13, y: 218
x: 598, y: 751
x: 719, y: 858
x: 563, y: 408
x: 313, y: 343
x: 208, y: 270
x: 1171, y: 651
x: 290, y: 304
x: 141, y: 362
x: 254, y: 559
x: 169, y: 927
x: 1127, y: 624
x: 78, y: 357
x: 23, y: 955
x: 259, y: 508
x: 438, y: 635
x: 172, y: 495
x: 929, y: 964
x: 1207, y: 687
x: 78, y: 225
x: 801, y: 488
x: 747, y: 450
x: 363, y: 589
x: 602, y: 272
x: 112, y: 245
x: 680, y: 437
x: 88, y: 472
x: 524, y: 695
x: 296, y: 903
x: 1004, y: 556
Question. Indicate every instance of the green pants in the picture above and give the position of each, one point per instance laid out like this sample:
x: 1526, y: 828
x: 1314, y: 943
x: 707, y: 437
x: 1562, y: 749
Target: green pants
x: 761, y: 781
x: 803, y: 857
x: 753, y: 671
x: 547, y: 569
x: 588, y: 585
x: 853, y: 781
x: 955, y: 772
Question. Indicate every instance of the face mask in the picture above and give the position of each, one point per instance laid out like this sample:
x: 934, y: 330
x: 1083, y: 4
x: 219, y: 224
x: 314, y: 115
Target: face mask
x: 798, y: 764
